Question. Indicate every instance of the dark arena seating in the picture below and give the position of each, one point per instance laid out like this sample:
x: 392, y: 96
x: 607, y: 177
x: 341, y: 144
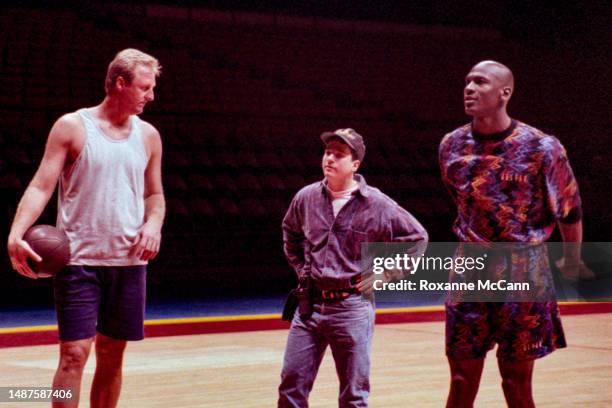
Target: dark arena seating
x: 243, y: 98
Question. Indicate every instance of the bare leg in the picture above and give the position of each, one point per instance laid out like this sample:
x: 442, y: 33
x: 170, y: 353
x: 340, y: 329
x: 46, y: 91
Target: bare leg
x: 465, y: 380
x: 516, y: 382
x: 106, y: 385
x: 73, y: 357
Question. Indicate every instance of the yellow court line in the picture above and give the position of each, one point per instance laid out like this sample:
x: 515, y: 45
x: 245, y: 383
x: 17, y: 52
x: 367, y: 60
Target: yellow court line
x: 277, y: 315
x: 208, y: 319
x: 27, y: 329
x: 415, y: 309
x: 230, y: 318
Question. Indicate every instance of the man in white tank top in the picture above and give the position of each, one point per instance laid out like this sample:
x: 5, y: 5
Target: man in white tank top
x: 111, y: 205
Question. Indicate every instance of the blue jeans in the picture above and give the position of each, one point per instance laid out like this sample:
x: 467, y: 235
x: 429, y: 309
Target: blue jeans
x: 347, y: 326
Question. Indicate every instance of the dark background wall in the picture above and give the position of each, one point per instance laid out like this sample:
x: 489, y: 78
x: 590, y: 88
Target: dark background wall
x: 246, y: 90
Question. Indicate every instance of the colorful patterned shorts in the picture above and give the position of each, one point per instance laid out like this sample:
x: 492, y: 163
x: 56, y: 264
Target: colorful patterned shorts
x: 522, y: 330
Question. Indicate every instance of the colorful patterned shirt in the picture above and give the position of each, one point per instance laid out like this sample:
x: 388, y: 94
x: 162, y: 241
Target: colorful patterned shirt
x: 510, y: 186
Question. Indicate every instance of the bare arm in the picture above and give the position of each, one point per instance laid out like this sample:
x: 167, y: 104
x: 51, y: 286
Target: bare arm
x: 39, y: 191
x: 571, y: 264
x: 149, y: 237
x: 572, y: 238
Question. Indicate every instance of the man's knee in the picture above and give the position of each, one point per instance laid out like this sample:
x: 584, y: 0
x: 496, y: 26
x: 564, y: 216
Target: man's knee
x: 109, y: 351
x: 460, y: 381
x: 516, y: 376
x: 465, y: 380
x: 466, y: 371
x: 516, y: 381
x: 73, y: 355
x: 294, y: 375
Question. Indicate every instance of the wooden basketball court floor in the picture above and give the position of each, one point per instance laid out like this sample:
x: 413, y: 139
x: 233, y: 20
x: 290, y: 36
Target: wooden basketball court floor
x: 241, y: 370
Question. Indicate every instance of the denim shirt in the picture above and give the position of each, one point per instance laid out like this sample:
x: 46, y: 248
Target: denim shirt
x: 328, y: 248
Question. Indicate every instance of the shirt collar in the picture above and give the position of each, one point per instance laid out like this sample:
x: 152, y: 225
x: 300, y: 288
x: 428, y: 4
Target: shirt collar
x: 362, y: 186
x: 495, y: 137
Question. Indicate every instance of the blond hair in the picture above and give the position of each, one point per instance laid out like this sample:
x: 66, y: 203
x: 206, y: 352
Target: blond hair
x: 124, y: 64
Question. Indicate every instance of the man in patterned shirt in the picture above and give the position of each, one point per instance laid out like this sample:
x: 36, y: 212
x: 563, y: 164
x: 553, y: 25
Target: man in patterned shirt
x: 511, y: 183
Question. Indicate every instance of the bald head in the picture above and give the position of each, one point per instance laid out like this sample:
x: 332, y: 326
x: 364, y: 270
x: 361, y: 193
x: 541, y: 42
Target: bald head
x: 488, y: 88
x: 498, y: 70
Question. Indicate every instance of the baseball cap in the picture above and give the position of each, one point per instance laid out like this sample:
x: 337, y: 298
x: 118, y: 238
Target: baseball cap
x: 353, y: 139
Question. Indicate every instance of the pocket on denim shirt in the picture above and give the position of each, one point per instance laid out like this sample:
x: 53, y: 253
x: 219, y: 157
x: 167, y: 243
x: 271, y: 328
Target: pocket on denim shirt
x: 353, y: 241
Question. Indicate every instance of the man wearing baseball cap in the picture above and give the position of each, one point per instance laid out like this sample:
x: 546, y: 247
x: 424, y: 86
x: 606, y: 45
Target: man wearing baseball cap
x: 323, y: 230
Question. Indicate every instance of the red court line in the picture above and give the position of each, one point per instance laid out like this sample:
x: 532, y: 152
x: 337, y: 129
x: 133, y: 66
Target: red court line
x: 33, y: 336
x: 585, y: 308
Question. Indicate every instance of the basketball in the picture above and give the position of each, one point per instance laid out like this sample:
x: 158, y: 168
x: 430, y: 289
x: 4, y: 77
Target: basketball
x: 53, y: 247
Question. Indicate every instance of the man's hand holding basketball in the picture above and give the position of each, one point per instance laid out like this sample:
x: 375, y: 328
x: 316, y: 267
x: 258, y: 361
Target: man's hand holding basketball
x: 19, y: 252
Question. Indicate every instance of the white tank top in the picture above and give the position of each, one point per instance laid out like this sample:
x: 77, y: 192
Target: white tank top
x: 101, y: 197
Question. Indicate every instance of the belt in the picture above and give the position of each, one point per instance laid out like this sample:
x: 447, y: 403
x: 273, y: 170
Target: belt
x: 334, y: 295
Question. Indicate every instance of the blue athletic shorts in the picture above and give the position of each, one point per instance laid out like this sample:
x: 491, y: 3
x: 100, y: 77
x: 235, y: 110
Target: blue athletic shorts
x: 100, y: 299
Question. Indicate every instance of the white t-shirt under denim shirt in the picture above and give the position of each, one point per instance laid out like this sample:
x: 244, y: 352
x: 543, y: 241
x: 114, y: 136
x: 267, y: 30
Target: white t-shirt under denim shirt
x: 340, y: 198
